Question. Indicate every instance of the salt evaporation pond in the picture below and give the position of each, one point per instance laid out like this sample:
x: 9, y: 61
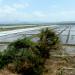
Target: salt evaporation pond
x: 67, y: 36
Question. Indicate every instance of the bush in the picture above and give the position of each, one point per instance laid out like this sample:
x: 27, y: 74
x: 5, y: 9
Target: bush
x: 27, y: 61
x: 19, y: 44
x: 26, y: 57
x: 48, y: 40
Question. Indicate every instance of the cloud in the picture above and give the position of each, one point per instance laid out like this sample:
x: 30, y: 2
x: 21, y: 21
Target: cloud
x: 20, y: 5
x: 54, y: 6
x: 39, y: 14
x: 13, y: 7
x: 6, y: 10
x: 63, y: 15
x: 12, y: 11
x: 66, y: 13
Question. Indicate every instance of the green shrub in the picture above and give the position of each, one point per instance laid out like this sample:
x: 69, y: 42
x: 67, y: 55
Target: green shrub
x: 27, y: 57
x: 48, y: 41
x: 21, y: 43
x: 27, y: 61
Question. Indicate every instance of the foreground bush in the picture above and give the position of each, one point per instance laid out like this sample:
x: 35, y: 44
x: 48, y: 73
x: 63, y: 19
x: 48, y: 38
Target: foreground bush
x: 27, y: 58
x: 24, y: 57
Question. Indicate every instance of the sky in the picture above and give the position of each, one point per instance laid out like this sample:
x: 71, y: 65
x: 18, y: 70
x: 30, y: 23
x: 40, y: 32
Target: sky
x: 14, y: 11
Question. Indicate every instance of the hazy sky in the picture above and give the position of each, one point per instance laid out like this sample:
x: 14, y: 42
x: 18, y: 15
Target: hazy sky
x: 37, y: 10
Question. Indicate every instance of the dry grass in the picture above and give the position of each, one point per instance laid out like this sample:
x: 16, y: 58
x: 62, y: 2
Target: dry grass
x: 6, y: 72
x: 54, y: 66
